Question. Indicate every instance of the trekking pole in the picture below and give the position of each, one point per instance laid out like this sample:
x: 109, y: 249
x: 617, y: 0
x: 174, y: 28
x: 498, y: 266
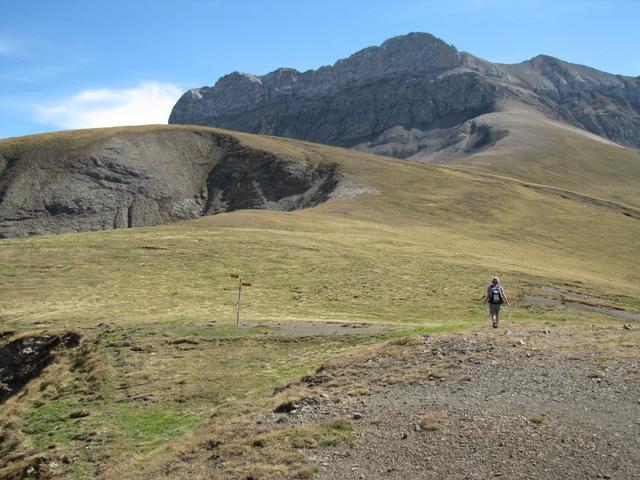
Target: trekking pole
x: 508, y: 332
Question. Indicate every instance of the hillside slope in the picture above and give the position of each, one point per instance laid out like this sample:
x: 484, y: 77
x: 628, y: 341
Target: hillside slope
x: 388, y: 208
x: 164, y: 384
x: 121, y: 178
x: 535, y: 149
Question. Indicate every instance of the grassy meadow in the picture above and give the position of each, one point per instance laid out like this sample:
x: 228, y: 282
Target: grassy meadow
x: 157, y: 305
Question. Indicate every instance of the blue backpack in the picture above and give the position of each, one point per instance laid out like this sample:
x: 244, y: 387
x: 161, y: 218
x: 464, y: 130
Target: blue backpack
x: 496, y: 294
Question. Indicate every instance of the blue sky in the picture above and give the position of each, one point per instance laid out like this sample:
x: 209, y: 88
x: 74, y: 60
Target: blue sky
x: 75, y: 64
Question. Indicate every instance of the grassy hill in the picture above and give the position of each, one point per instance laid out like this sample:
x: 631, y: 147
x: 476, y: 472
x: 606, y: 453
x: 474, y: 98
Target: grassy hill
x: 411, y: 253
x: 539, y: 150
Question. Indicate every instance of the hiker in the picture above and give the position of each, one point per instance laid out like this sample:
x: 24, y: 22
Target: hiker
x: 495, y: 296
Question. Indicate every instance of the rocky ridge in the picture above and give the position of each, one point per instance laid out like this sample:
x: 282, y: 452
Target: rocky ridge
x: 144, y: 177
x: 413, y: 93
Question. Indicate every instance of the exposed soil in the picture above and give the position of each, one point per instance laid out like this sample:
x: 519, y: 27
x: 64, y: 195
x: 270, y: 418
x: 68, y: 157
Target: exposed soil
x: 24, y: 358
x: 545, y: 404
x: 614, y: 312
x: 321, y: 328
x: 573, y: 299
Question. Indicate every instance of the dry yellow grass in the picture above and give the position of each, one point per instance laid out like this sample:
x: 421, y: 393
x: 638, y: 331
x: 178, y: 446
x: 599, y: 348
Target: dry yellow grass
x: 416, y: 254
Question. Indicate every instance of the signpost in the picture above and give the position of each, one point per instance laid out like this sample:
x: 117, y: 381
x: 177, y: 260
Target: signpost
x: 240, y: 285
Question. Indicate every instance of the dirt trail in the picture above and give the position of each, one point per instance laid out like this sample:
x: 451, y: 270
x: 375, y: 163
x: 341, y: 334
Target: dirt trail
x: 614, y: 312
x: 305, y: 328
x: 560, y: 404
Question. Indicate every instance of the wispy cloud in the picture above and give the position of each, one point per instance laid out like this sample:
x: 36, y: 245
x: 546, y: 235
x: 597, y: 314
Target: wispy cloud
x: 6, y: 46
x: 147, y: 102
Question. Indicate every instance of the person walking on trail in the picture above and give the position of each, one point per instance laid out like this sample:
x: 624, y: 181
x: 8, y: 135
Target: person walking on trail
x: 495, y: 296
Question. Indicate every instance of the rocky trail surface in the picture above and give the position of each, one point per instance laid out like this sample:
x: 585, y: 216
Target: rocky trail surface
x: 543, y: 403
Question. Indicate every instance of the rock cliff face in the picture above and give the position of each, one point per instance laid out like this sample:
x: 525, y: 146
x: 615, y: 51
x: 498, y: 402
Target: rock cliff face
x: 412, y: 94
x: 145, y: 176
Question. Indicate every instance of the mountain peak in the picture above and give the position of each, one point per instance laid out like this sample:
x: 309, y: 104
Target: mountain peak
x: 412, y: 52
x: 409, y: 90
x: 413, y: 39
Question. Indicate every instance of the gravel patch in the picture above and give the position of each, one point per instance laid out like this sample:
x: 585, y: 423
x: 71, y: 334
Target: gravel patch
x: 482, y: 406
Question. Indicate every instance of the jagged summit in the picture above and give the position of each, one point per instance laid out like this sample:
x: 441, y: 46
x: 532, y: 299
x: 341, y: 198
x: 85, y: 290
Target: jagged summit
x: 239, y: 91
x: 413, y: 96
x: 415, y: 52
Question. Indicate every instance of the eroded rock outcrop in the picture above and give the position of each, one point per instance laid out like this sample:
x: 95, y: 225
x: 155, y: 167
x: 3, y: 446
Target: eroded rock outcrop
x: 24, y: 358
x: 143, y: 177
x: 416, y: 85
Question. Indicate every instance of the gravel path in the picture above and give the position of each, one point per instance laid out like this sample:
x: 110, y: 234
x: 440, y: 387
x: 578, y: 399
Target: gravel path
x: 484, y: 406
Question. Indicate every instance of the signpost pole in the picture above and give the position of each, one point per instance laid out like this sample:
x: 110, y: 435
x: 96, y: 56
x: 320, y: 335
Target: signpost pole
x: 239, y: 296
x: 241, y: 284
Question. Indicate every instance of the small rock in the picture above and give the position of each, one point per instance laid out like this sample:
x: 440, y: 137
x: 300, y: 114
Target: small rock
x: 404, y: 435
x: 626, y: 326
x: 286, y: 407
x: 356, y: 416
x: 211, y: 444
x: 79, y: 414
x: 546, y: 331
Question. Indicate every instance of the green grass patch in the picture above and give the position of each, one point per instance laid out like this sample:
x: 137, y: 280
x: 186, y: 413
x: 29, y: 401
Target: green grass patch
x: 148, y: 428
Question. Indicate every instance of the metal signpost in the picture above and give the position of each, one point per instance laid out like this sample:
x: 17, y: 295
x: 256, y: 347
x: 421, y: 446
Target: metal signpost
x: 240, y: 285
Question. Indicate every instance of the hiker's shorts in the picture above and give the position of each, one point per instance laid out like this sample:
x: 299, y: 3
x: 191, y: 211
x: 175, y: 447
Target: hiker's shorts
x: 494, y: 308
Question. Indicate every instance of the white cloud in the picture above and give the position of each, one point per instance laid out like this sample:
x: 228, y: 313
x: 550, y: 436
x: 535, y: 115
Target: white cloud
x: 148, y: 102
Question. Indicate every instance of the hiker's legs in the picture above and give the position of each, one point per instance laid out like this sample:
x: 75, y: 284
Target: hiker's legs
x: 494, y: 310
